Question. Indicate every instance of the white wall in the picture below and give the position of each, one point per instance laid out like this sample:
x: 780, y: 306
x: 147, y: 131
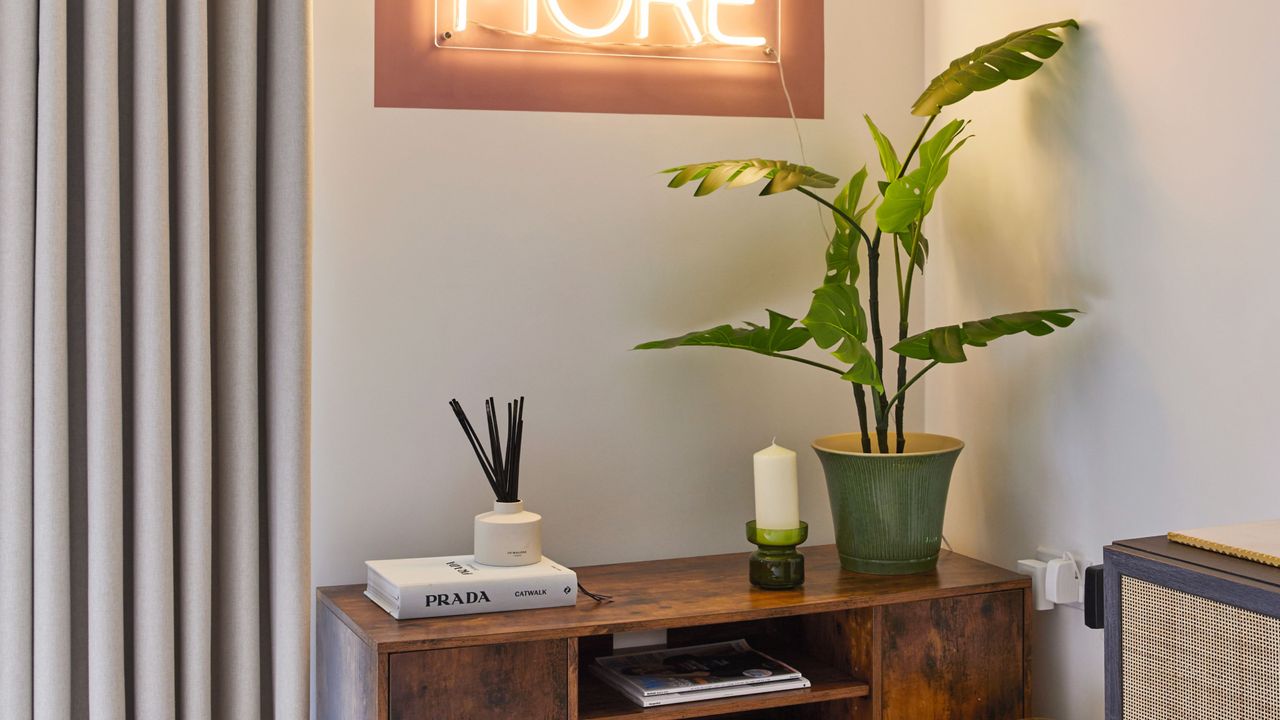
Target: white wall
x: 467, y: 253
x: 1134, y: 178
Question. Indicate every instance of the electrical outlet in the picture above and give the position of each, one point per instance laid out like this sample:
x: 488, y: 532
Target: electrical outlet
x: 1035, y: 569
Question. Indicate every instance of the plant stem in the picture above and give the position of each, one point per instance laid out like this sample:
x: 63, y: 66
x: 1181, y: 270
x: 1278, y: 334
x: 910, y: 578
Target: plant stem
x: 859, y: 390
x: 899, y: 396
x: 877, y: 339
x: 805, y: 191
x: 860, y: 400
x: 904, y: 301
x: 897, y: 269
x: 899, y: 413
x: 806, y: 361
x: 916, y: 146
x: 904, y: 323
x: 877, y: 336
x: 873, y: 262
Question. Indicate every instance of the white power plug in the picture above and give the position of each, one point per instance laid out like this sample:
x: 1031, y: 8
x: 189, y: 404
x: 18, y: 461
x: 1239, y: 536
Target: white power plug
x: 1057, y: 578
x: 1062, y: 581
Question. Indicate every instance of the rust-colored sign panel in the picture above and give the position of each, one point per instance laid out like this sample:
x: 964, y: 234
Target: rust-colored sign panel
x: 679, y: 57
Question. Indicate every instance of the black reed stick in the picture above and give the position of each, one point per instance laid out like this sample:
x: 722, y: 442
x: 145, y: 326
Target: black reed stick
x: 499, y: 466
x: 485, y: 463
x: 502, y: 470
x: 475, y: 445
x: 474, y: 439
x: 515, y: 457
x: 511, y: 437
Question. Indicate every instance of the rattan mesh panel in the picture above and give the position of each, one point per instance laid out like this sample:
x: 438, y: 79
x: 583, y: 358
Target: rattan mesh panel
x: 1187, y: 658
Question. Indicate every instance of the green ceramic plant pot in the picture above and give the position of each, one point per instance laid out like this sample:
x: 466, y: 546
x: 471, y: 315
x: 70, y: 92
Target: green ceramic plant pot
x: 888, y: 508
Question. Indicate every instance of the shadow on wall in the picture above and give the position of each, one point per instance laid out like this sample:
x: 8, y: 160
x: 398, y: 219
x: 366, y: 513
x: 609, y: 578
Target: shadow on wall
x: 1036, y: 230
x: 1041, y: 225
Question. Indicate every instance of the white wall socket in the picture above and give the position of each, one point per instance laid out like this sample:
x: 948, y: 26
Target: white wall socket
x: 1035, y: 569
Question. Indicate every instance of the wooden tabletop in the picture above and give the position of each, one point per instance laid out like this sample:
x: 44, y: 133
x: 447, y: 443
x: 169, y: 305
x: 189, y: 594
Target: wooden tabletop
x: 669, y: 593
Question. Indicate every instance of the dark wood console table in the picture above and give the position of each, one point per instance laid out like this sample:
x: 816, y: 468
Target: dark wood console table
x: 948, y: 644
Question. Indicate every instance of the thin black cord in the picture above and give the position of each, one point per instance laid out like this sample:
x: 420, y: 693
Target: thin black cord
x: 595, y: 596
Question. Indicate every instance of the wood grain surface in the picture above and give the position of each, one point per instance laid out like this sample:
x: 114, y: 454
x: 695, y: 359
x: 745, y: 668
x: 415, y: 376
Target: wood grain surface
x: 347, y: 678
x: 670, y: 593
x: 491, y: 682
x: 954, y: 658
x: 846, y: 641
x: 951, y: 643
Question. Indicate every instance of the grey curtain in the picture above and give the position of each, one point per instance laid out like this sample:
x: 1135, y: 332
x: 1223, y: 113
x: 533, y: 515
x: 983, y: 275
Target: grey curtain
x: 154, y: 358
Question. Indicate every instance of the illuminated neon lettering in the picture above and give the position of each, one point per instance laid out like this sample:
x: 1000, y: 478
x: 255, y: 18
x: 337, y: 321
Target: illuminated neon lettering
x: 699, y: 29
x: 557, y: 14
x: 713, y: 24
x: 683, y: 13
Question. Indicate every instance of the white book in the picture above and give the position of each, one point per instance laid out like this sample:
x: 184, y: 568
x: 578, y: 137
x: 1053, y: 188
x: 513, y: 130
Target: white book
x: 458, y: 585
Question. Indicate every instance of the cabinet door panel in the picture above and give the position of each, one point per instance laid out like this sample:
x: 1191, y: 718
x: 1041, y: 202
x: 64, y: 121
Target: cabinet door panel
x: 527, y: 679
x: 954, y: 658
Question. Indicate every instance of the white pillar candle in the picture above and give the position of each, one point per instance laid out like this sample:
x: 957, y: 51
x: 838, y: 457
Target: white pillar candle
x: 777, y: 494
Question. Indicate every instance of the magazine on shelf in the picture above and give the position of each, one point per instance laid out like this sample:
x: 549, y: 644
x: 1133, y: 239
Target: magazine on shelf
x: 712, y: 694
x: 694, y: 670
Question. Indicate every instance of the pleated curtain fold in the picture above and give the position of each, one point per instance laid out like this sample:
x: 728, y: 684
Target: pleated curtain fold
x: 155, y: 229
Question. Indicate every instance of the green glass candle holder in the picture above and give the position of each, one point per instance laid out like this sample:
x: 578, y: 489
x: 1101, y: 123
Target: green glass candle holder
x: 776, y: 564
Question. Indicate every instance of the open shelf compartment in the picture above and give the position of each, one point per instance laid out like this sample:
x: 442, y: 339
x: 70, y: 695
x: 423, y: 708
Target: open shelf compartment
x: 820, y: 646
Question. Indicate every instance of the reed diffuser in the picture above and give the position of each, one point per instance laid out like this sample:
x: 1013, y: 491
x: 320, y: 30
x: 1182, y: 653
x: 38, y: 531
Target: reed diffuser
x: 509, y: 535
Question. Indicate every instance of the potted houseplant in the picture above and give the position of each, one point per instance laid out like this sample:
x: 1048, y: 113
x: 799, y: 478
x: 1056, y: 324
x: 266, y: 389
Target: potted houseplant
x: 888, y: 488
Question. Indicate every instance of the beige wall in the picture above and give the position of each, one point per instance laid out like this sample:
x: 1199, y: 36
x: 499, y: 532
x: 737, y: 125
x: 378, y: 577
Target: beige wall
x: 1134, y: 178
x: 462, y: 253
x: 474, y: 253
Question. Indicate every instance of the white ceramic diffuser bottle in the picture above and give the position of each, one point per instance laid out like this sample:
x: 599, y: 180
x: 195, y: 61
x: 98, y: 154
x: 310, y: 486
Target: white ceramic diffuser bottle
x: 508, y: 536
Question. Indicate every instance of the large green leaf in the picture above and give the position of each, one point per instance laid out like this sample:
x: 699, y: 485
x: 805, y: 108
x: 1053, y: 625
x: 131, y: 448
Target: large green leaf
x: 782, y: 175
x: 1012, y: 57
x: 839, y: 325
x: 842, y: 258
x: 835, y: 315
x: 842, y: 251
x: 909, y: 198
x: 917, y: 248
x: 780, y: 335
x: 946, y: 344
x: 848, y: 198
x: 863, y: 370
x: 888, y: 156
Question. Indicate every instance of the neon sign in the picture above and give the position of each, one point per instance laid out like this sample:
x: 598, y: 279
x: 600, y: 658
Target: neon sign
x: 725, y: 30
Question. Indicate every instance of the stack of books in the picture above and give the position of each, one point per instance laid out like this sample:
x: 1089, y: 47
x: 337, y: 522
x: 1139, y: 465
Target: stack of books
x: 699, y: 672
x: 458, y: 585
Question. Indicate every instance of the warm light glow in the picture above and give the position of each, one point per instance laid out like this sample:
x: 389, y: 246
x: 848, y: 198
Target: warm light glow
x: 530, y: 16
x: 605, y: 27
x: 557, y: 14
x: 713, y: 24
x: 681, y: 7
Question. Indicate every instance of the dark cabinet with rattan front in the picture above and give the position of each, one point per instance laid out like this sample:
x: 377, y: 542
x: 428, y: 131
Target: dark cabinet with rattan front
x: 1190, y: 633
